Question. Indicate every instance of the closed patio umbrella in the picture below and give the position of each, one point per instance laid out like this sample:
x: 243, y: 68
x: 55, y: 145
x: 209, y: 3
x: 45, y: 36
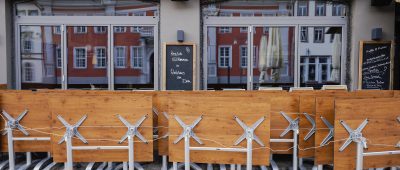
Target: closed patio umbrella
x: 262, y: 60
x: 336, y: 50
x: 274, y: 53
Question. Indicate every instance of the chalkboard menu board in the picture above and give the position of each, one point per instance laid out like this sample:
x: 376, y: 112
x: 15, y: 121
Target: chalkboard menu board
x: 376, y: 59
x: 179, y: 63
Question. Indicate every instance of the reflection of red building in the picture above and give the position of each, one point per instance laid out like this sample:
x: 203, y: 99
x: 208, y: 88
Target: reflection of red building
x: 137, y: 42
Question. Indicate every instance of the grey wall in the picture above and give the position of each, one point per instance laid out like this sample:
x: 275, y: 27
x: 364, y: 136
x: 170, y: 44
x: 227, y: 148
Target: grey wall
x: 5, y: 42
x: 364, y: 18
x: 180, y: 16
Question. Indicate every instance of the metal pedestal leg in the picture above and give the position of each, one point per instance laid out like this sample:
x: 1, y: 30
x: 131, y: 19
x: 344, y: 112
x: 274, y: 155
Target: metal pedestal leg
x: 164, y: 163
x: 11, y: 154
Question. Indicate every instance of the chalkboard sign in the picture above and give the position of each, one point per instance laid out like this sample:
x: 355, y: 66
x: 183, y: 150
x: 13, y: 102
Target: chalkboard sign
x: 179, y: 64
x: 376, y: 60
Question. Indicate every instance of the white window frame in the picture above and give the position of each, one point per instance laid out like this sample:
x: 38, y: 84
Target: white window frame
x: 80, y: 29
x: 304, y: 34
x: 135, y: 56
x: 338, y: 10
x: 302, y: 9
x: 76, y: 59
x: 243, y: 29
x: 101, y: 31
x: 318, y: 67
x: 31, y: 72
x: 320, y: 8
x: 57, y: 29
x: 116, y: 57
x: 103, y: 57
x: 28, y: 45
x: 225, y: 30
x: 136, y: 29
x: 119, y: 29
x: 58, y: 54
x: 241, y: 56
x: 229, y: 57
x: 321, y: 36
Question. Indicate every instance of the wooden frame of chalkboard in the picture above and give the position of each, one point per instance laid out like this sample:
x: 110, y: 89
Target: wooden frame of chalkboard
x: 361, y: 54
x: 164, y: 63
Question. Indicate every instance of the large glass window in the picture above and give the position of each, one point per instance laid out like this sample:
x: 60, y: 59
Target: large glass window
x: 133, y: 58
x: 86, y: 58
x: 227, y: 58
x: 320, y: 60
x: 39, y: 57
x: 275, y: 57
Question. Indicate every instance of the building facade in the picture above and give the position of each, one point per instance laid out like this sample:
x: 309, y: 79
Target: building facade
x: 116, y: 45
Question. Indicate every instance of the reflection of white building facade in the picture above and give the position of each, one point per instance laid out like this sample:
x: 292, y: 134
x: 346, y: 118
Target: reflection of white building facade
x: 31, y: 48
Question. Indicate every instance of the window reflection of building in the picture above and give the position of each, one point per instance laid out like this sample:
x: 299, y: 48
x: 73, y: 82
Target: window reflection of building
x: 302, y: 8
x: 86, y: 49
x: 314, y: 39
x: 28, y: 72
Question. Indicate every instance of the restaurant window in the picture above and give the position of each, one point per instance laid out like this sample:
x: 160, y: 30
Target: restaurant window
x: 80, y: 58
x: 101, y: 57
x: 224, y: 56
x: 304, y: 34
x: 319, y: 35
x: 28, y: 72
x: 320, y: 61
x: 320, y: 8
x: 100, y: 29
x: 120, y: 57
x: 338, y: 9
x: 137, y: 57
x: 80, y: 30
x: 302, y: 8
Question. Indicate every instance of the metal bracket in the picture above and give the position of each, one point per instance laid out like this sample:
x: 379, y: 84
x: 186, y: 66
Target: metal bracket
x: 293, y: 125
x: 14, y: 123
x: 355, y: 135
x: 188, y: 130
x: 312, y: 130
x: 398, y: 144
x: 249, y: 131
x: 330, y: 134
x: 132, y: 129
x: 72, y: 130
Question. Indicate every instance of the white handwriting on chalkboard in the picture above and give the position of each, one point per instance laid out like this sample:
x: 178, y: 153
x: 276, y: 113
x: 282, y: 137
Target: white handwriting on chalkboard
x: 185, y: 81
x: 176, y: 72
x: 176, y: 54
x: 376, y: 49
x: 180, y: 59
